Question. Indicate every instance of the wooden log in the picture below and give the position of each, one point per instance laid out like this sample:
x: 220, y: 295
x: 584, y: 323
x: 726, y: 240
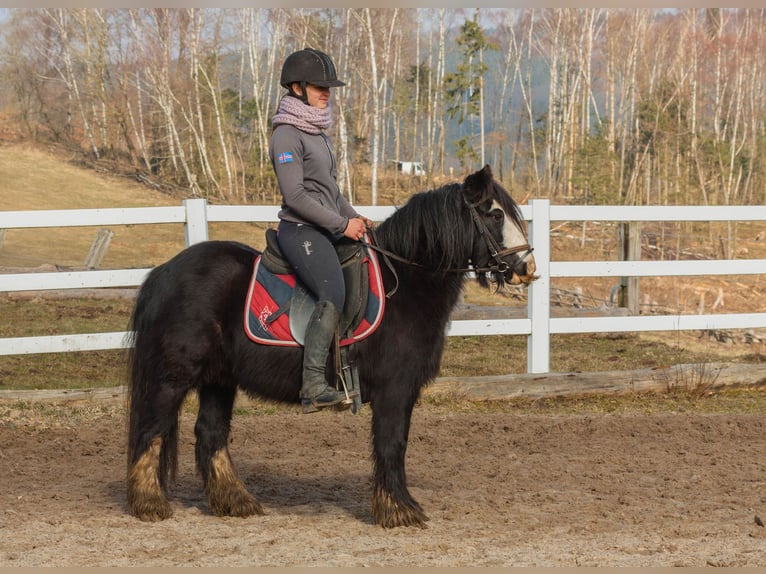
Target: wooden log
x: 104, y: 293
x: 44, y: 268
x: 107, y: 394
x: 692, y: 377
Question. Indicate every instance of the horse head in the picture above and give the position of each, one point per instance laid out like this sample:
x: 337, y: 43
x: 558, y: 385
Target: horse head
x: 500, y: 248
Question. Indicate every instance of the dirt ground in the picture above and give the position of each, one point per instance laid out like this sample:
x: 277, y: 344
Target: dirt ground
x: 501, y: 488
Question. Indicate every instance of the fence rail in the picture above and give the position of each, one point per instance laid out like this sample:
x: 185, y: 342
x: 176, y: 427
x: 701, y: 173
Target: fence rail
x: 538, y: 326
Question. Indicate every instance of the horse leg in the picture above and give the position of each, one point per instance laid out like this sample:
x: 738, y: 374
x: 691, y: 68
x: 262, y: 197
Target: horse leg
x: 152, y: 451
x: 392, y: 504
x: 226, y: 494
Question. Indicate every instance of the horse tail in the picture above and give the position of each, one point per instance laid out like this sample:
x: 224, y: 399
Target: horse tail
x: 147, y: 415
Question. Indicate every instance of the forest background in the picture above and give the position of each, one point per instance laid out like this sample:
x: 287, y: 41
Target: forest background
x: 579, y: 105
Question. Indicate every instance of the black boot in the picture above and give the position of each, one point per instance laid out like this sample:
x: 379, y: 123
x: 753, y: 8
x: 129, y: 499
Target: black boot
x: 316, y: 393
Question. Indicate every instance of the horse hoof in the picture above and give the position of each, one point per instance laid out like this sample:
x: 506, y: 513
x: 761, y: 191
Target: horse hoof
x: 401, y: 518
x: 151, y: 510
x: 240, y: 504
x: 391, y: 514
x: 244, y: 509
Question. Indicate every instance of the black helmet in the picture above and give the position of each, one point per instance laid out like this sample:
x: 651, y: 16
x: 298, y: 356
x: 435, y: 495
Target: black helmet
x: 309, y: 66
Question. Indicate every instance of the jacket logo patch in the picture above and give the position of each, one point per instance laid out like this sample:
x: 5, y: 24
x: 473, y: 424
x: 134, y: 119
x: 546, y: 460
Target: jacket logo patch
x: 285, y: 157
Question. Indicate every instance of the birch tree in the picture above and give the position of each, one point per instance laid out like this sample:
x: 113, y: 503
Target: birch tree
x: 366, y: 19
x: 436, y: 131
x: 155, y: 33
x: 60, y: 21
x: 526, y: 48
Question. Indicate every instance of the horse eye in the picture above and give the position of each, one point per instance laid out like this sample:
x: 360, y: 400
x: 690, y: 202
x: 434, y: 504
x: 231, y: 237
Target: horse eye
x: 497, y: 215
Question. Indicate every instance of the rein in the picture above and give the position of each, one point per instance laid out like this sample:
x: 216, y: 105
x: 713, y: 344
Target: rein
x: 496, y: 252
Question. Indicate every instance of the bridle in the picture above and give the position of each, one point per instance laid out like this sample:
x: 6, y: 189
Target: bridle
x: 496, y: 252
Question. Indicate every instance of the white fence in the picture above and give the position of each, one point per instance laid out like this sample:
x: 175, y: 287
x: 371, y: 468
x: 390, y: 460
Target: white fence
x: 538, y: 326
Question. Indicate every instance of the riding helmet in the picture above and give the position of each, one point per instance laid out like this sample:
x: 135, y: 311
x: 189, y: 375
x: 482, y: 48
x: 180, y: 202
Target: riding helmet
x: 309, y: 66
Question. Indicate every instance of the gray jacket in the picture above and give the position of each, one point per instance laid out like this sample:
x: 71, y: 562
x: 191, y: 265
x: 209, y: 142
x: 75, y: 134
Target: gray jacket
x: 306, y: 173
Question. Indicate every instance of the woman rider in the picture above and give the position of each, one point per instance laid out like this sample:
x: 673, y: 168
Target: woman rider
x: 314, y: 214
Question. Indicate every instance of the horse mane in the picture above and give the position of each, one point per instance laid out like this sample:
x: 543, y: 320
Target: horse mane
x: 435, y: 229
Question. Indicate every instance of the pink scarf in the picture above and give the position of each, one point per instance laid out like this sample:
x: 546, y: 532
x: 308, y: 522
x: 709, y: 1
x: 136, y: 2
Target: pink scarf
x: 306, y: 118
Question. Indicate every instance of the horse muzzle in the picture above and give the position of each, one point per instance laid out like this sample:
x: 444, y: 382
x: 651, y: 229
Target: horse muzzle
x: 523, y: 272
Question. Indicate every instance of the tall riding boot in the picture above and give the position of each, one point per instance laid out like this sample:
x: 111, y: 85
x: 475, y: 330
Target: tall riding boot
x: 316, y: 393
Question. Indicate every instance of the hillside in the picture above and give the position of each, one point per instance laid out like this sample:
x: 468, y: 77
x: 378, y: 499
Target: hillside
x: 35, y: 179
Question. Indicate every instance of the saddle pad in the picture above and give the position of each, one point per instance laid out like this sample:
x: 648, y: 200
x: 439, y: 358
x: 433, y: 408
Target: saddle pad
x: 267, y: 305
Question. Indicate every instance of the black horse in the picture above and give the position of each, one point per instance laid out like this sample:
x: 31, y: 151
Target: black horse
x: 188, y: 335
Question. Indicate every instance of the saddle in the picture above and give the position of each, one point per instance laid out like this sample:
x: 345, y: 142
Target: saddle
x: 278, y: 306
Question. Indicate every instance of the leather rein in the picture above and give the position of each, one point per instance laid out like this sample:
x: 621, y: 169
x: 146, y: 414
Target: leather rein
x: 495, y: 250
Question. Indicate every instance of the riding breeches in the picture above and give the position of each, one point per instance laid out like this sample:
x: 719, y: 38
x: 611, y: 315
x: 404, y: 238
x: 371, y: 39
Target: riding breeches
x: 312, y: 254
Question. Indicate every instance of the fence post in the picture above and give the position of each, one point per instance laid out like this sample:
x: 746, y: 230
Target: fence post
x: 195, y: 228
x: 630, y: 250
x: 538, y: 307
x: 98, y: 248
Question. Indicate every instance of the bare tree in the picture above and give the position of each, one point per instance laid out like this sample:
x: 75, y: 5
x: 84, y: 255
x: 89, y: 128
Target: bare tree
x: 436, y: 131
x: 61, y: 23
x: 525, y: 88
x: 672, y: 103
x: 154, y: 33
x: 366, y: 20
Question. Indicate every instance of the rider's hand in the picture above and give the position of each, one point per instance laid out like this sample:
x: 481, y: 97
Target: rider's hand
x: 367, y: 221
x: 356, y: 228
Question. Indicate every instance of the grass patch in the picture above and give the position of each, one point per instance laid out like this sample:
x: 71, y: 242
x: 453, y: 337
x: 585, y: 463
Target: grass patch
x: 40, y: 317
x: 501, y: 354
x: 729, y: 400
x: 82, y: 370
x: 38, y: 416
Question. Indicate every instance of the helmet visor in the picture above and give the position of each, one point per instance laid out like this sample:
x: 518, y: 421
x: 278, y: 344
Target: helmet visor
x: 327, y: 83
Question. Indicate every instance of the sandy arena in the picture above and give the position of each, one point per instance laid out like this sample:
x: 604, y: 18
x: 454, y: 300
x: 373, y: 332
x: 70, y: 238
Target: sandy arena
x: 501, y: 488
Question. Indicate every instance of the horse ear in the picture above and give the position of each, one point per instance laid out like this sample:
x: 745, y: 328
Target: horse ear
x: 477, y: 187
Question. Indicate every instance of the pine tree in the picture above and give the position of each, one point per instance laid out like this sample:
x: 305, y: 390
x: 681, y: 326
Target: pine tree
x: 464, y: 87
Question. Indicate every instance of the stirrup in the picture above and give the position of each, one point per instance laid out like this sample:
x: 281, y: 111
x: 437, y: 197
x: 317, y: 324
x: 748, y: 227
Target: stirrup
x: 343, y: 404
x: 329, y: 398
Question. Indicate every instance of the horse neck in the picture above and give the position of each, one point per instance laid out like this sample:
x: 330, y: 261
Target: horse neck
x: 434, y: 233
x: 432, y: 230
x: 422, y: 293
